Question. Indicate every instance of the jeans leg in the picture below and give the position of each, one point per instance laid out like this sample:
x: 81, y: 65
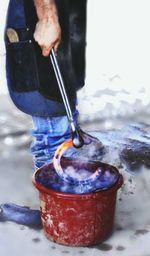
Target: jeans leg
x: 49, y: 133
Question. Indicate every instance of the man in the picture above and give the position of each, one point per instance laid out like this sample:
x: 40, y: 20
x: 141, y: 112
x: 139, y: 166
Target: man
x: 38, y: 26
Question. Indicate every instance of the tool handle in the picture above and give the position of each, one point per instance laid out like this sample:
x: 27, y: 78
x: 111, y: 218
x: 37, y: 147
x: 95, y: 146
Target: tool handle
x: 62, y: 87
x: 77, y: 139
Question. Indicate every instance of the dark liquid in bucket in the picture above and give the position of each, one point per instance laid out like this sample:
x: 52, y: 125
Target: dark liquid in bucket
x: 76, y: 174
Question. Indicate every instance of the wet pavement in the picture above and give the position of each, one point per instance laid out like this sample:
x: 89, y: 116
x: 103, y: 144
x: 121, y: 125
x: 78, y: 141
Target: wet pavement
x: 128, y: 148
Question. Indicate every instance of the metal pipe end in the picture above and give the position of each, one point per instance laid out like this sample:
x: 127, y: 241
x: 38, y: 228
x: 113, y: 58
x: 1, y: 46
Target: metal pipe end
x: 78, y: 142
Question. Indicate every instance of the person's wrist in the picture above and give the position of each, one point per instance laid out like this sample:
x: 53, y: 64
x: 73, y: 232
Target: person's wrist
x: 49, y: 14
x: 49, y: 19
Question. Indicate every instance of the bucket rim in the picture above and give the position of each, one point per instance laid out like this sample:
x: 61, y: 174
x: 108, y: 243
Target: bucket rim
x: 94, y: 194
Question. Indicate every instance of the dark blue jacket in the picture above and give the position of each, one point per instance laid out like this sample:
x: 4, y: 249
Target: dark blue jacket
x: 30, y: 76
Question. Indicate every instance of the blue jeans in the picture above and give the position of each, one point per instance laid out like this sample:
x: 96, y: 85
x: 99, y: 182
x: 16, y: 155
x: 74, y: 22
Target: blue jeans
x: 49, y: 133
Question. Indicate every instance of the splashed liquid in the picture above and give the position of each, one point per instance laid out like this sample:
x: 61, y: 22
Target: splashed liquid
x: 21, y: 215
x: 129, y: 146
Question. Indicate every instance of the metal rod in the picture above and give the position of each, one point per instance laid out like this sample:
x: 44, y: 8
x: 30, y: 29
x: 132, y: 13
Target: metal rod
x: 62, y: 88
x: 77, y: 139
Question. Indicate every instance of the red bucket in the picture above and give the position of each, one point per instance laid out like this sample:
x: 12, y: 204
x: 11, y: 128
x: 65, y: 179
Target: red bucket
x: 77, y: 219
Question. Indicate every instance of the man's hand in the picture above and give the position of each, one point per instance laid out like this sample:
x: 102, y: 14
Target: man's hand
x: 47, y: 32
x: 47, y: 35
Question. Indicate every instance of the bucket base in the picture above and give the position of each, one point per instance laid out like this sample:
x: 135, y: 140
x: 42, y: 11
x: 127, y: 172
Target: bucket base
x: 94, y: 243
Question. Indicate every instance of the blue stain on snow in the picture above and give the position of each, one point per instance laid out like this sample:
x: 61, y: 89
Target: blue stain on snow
x: 129, y: 146
x: 20, y: 214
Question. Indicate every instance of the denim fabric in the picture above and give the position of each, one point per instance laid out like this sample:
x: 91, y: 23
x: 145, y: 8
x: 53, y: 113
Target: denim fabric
x: 49, y: 133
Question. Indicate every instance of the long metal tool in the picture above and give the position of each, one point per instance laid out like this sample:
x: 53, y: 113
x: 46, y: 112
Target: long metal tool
x: 77, y: 139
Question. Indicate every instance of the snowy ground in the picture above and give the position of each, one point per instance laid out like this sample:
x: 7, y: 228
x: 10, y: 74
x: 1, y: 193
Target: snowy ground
x: 132, y: 225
